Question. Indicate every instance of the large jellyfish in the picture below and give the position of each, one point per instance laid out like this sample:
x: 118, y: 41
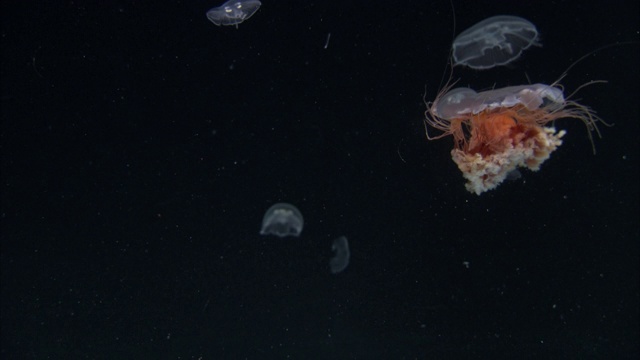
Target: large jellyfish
x: 497, y: 131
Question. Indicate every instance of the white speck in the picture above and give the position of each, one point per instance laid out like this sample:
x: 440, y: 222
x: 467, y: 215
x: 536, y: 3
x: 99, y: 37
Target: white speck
x: 326, y: 44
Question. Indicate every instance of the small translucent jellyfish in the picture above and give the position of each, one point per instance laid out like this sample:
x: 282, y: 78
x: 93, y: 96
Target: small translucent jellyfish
x: 282, y: 220
x: 340, y: 260
x: 514, y: 175
x: 497, y: 131
x: 495, y: 41
x: 233, y: 12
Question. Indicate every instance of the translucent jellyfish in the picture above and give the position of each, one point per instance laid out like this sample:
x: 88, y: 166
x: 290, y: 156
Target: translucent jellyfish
x: 514, y: 175
x: 233, y: 12
x: 495, y: 41
x: 340, y: 260
x: 497, y: 131
x: 282, y: 220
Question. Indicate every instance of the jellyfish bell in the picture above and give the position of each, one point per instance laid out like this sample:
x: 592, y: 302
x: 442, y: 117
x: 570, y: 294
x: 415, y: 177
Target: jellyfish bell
x: 460, y: 101
x: 497, y: 131
x: 282, y: 219
x: 495, y: 41
x: 233, y: 12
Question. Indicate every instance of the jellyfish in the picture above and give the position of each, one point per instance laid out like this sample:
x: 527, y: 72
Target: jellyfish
x: 499, y: 130
x: 340, y: 260
x: 514, y: 175
x: 495, y: 41
x: 282, y: 220
x: 233, y: 12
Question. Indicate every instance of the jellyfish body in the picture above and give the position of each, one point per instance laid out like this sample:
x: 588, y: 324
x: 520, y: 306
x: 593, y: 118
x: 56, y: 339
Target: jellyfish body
x: 282, y: 220
x: 495, y: 41
x: 499, y: 130
x: 233, y: 12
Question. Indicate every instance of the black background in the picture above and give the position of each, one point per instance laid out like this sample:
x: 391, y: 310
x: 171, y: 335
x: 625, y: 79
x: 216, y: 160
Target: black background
x: 141, y: 145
